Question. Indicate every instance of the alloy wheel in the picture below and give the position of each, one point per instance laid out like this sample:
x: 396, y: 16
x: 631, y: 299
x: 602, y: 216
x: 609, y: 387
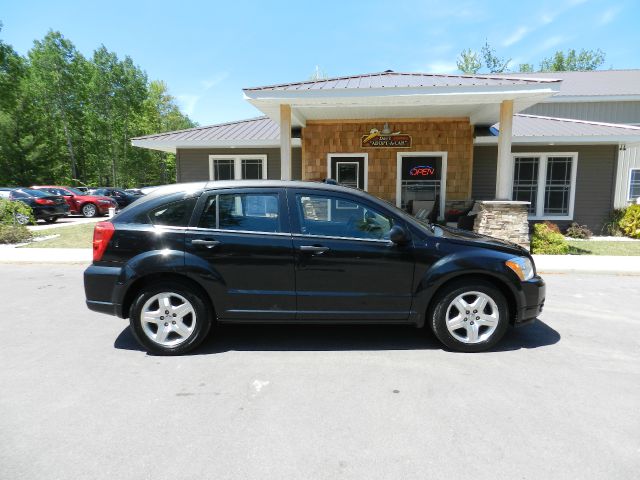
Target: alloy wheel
x: 168, y: 319
x: 89, y: 210
x: 472, y: 317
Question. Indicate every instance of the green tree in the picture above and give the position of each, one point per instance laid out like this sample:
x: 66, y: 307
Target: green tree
x: 57, y: 77
x: 571, y: 61
x: 493, y: 63
x: 469, y: 62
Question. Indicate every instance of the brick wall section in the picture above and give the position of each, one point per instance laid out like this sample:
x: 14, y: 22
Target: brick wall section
x: 454, y: 136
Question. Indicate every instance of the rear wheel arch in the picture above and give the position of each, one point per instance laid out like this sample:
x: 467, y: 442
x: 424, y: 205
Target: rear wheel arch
x: 501, y: 285
x: 162, y: 277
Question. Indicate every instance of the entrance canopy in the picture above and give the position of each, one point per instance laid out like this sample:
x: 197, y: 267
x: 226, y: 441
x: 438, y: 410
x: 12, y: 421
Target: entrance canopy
x: 401, y: 95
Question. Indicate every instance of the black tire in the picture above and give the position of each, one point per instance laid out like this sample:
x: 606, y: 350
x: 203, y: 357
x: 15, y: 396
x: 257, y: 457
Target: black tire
x: 89, y: 210
x: 50, y: 219
x: 202, y: 321
x: 437, y: 316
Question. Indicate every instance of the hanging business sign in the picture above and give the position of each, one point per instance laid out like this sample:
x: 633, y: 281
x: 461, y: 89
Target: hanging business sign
x: 385, y: 138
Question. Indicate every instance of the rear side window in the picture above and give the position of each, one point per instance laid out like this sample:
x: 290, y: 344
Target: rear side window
x: 250, y: 212
x: 176, y: 214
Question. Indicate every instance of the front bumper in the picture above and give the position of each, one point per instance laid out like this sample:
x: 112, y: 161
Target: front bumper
x: 532, y: 300
x: 103, y: 208
x: 46, y: 211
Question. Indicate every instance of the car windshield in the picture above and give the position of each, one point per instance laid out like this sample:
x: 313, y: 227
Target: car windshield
x: 75, y: 191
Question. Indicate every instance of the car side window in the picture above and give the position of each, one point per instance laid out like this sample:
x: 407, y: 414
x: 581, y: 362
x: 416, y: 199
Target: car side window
x: 252, y: 212
x: 176, y: 214
x: 336, y: 217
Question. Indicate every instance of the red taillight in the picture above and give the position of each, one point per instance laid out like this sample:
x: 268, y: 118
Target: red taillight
x: 101, y: 236
x: 44, y: 201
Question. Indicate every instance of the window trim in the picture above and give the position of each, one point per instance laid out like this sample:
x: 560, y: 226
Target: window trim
x: 237, y: 164
x: 542, y: 181
x: 631, y: 170
x: 363, y: 155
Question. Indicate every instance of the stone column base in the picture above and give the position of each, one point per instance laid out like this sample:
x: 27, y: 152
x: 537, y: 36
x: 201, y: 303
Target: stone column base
x: 504, y: 219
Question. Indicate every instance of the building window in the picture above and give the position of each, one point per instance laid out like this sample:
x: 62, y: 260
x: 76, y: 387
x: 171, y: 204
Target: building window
x: 237, y: 167
x: 634, y: 184
x: 547, y: 181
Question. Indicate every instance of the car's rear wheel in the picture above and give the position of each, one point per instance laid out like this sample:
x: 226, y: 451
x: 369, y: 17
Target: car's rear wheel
x: 89, y: 210
x: 470, y: 316
x: 52, y: 219
x: 169, y: 319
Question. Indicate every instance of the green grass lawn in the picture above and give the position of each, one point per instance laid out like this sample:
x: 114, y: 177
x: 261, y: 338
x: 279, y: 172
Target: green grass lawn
x: 77, y: 236
x: 593, y: 247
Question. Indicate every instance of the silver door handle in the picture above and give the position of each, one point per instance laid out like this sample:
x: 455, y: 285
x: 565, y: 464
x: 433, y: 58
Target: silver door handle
x: 313, y: 249
x: 205, y: 243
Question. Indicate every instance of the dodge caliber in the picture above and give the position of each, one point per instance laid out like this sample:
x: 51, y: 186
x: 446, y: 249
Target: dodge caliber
x: 189, y: 256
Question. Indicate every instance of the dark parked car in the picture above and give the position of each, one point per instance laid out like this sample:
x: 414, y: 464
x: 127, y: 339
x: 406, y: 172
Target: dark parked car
x: 122, y: 198
x: 272, y: 251
x: 81, y: 203
x: 44, y: 206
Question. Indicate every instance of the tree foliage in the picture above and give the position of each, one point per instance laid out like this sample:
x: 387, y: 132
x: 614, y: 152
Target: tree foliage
x: 487, y: 61
x: 68, y: 119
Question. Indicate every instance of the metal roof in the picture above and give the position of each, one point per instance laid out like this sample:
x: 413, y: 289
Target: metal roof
x: 594, y: 83
x: 260, y: 128
x: 539, y: 126
x: 390, y: 79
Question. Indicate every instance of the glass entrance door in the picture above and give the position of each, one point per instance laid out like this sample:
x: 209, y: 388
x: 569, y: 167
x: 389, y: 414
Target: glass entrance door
x: 420, y: 183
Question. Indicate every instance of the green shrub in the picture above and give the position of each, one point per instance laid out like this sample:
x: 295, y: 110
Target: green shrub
x: 612, y: 225
x: 630, y: 222
x: 14, y: 213
x: 14, y: 233
x: 551, y: 226
x: 545, y: 241
x: 578, y: 231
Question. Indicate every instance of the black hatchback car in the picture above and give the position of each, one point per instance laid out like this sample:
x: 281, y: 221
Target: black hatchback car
x: 43, y: 205
x: 188, y: 255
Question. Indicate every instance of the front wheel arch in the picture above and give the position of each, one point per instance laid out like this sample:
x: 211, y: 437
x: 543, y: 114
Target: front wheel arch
x: 142, y: 282
x: 471, y: 277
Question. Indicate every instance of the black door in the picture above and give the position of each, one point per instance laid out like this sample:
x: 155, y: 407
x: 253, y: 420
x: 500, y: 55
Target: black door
x: 244, y: 236
x: 346, y: 268
x: 348, y: 171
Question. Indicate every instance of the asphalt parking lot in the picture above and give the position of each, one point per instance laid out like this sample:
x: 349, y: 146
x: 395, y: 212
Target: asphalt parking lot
x: 79, y: 399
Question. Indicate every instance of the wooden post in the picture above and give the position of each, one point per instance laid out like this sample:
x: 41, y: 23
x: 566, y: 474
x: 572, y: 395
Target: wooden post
x: 504, y: 172
x: 285, y: 142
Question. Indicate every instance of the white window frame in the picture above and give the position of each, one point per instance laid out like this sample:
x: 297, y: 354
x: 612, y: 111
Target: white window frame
x: 237, y: 164
x: 629, y: 199
x: 443, y: 176
x: 355, y: 155
x: 542, y: 178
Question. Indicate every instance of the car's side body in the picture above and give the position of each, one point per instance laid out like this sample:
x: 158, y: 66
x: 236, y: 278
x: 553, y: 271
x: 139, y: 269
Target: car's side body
x: 291, y: 273
x: 122, y: 197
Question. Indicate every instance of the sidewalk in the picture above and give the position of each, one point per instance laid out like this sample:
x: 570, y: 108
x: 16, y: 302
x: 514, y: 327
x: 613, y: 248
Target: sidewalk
x: 10, y: 254
x: 544, y: 263
x: 627, y: 265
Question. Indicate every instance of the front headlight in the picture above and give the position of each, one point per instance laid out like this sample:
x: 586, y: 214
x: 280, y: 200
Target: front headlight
x: 522, y: 267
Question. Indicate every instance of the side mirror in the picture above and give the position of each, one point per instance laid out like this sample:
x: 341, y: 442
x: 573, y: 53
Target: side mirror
x: 397, y: 235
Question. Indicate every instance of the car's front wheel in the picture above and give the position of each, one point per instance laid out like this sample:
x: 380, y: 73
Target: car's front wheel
x: 89, y: 210
x: 169, y: 319
x: 470, y: 316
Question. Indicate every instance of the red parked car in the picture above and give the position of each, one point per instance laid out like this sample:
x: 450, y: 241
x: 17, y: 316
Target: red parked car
x: 79, y: 202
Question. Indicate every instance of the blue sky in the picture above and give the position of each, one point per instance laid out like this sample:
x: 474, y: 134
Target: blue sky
x: 208, y: 51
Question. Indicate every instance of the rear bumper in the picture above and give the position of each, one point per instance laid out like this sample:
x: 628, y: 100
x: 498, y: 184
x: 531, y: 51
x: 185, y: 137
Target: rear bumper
x: 101, y: 287
x: 533, y: 296
x: 45, y: 211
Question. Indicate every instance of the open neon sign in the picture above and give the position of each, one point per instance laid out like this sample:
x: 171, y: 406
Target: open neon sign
x: 422, y: 171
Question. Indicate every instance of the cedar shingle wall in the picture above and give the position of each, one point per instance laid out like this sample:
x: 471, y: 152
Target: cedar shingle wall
x: 452, y: 136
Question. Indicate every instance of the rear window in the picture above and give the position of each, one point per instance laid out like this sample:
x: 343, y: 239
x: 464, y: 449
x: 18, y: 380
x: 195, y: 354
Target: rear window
x: 28, y: 192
